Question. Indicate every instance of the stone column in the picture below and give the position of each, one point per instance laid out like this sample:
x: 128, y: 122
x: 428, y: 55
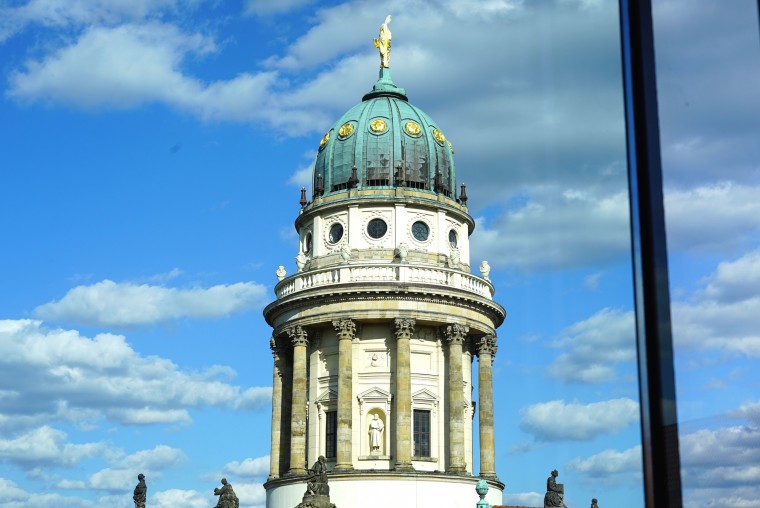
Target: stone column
x: 274, y: 453
x: 299, y: 339
x: 486, y: 347
x: 404, y: 328
x: 455, y: 335
x: 346, y: 332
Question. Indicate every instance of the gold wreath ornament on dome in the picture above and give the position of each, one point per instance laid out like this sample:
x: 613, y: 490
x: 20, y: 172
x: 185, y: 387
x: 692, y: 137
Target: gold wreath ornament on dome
x: 451, y: 147
x: 412, y: 128
x: 324, y: 141
x: 438, y: 135
x: 378, y: 125
x: 346, y: 130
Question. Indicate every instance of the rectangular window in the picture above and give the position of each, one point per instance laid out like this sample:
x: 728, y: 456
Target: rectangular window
x: 421, y: 433
x: 331, y: 434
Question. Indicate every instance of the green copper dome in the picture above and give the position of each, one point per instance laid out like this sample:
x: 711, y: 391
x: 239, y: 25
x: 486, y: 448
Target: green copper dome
x: 389, y: 142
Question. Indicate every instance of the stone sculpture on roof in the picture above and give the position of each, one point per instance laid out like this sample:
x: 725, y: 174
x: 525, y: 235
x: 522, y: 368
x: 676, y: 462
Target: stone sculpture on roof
x: 383, y: 43
x: 555, y: 492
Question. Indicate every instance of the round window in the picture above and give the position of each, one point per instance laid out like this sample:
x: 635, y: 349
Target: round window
x: 376, y: 228
x: 307, y: 244
x: 453, y: 238
x: 336, y: 232
x: 420, y: 231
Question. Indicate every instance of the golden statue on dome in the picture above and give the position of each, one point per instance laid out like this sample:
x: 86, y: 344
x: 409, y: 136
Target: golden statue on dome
x: 383, y: 43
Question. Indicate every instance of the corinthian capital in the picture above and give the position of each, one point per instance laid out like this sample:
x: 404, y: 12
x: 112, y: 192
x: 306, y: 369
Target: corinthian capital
x: 486, y: 345
x: 404, y: 328
x: 346, y: 328
x: 455, y: 333
x: 298, y: 336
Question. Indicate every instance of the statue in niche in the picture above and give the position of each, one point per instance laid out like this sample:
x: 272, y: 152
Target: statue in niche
x: 141, y: 492
x: 555, y: 492
x: 227, y: 497
x: 383, y: 43
x: 376, y: 427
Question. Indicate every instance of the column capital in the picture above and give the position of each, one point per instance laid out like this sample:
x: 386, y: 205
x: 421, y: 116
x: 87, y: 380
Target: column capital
x: 298, y: 335
x: 346, y: 328
x: 455, y: 333
x: 486, y: 345
x: 403, y: 328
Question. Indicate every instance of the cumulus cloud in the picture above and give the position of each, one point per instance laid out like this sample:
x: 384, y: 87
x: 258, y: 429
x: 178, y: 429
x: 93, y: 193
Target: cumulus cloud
x: 553, y: 229
x: 12, y: 496
x: 610, y: 464
x: 127, y: 304
x: 717, y: 217
x: 580, y: 422
x: 46, y: 446
x: 249, y: 468
x: 523, y: 499
x: 720, y: 464
x: 121, y: 475
x: 724, y: 314
x: 595, y: 347
x: 59, y: 375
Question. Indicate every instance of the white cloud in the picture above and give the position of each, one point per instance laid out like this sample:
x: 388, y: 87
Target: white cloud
x: 718, y: 217
x: 60, y: 375
x: 301, y: 177
x: 122, y: 474
x: 258, y: 397
x: 11, y: 496
x: 595, y: 347
x: 249, y: 468
x: 579, y: 422
x: 176, y: 497
x: 46, y: 446
x: 724, y: 314
x: 126, y: 304
x: 523, y: 499
x: 553, y: 229
x: 609, y: 463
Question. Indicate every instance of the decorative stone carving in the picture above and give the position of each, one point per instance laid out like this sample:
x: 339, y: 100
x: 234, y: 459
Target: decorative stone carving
x: 454, y: 258
x: 317, y: 490
x: 383, y: 43
x: 301, y: 260
x: 346, y: 328
x: 555, y: 492
x: 281, y: 272
x: 486, y: 345
x: 482, y: 489
x: 455, y: 333
x: 298, y: 336
x: 404, y: 328
x: 345, y: 253
x: 227, y: 497
x: 485, y: 269
x: 402, y: 251
x: 141, y: 492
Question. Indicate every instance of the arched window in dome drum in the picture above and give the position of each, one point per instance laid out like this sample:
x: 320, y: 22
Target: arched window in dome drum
x: 378, y: 168
x: 443, y: 165
x: 414, y: 155
x: 343, y: 161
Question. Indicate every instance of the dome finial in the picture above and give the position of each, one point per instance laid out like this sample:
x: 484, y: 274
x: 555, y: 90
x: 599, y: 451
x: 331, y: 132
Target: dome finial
x: 383, y: 43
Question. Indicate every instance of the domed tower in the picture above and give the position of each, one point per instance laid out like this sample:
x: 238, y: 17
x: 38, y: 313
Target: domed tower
x: 375, y: 334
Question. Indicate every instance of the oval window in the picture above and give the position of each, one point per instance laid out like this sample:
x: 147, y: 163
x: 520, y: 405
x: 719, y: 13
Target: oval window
x: 453, y: 238
x: 376, y: 228
x: 420, y: 231
x: 336, y: 232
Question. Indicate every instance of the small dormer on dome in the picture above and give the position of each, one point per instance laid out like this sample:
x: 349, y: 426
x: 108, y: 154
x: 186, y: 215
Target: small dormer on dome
x: 385, y: 142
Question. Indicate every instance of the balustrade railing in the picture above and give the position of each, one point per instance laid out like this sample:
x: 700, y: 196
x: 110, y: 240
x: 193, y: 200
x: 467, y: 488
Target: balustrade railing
x: 371, y: 272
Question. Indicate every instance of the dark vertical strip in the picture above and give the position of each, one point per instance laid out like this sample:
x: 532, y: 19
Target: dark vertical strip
x: 659, y: 426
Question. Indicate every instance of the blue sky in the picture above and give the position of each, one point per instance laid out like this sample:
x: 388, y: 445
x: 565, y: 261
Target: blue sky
x: 152, y: 156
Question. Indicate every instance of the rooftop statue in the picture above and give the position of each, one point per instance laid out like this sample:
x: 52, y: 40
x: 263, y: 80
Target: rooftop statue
x: 141, y: 491
x: 555, y: 492
x: 383, y: 43
x: 227, y: 497
x: 317, y: 491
